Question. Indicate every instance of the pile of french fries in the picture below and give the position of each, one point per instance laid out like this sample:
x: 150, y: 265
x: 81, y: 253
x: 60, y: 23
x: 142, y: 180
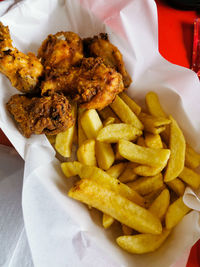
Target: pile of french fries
x: 133, y: 166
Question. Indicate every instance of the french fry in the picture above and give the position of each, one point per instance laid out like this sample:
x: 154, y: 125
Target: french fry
x: 192, y: 158
x: 86, y: 153
x: 160, y: 204
x: 176, y: 211
x: 142, y: 243
x: 153, y: 124
x: 146, y: 185
x: 118, y: 157
x: 149, y: 198
x: 107, y: 220
x: 177, y: 186
x: 131, y: 103
x: 107, y: 112
x: 128, y: 174
x: 144, y: 155
x: 126, y: 230
x: 116, y: 170
x: 141, y: 141
x: 81, y: 134
x: 109, y: 120
x: 125, y: 113
x: 104, y: 155
x: 143, y: 170
x: 64, y: 140
x: 153, y: 140
x: 91, y: 123
x: 177, y: 147
x: 120, y: 208
x: 190, y: 177
x: 153, y: 105
x: 97, y: 175
x: 69, y: 169
x: 112, y: 133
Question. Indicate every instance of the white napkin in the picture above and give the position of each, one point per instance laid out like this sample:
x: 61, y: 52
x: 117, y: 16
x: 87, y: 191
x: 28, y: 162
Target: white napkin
x: 61, y: 231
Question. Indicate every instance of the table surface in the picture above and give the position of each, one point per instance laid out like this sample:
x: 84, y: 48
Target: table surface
x: 175, y: 28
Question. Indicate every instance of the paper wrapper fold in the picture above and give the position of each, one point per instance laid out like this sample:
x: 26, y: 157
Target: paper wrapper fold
x: 61, y: 231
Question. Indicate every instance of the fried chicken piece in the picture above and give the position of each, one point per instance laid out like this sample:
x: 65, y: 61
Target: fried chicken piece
x: 60, y: 51
x: 48, y: 114
x: 93, y: 85
x: 99, y: 46
x: 22, y: 70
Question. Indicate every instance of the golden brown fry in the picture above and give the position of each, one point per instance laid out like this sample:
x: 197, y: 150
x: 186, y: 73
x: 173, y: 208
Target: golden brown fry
x: 144, y: 170
x: 131, y: 103
x: 190, y: 177
x: 81, y: 134
x: 128, y: 174
x: 153, y: 140
x: 86, y: 153
x: 149, y: 198
x: 116, y: 170
x: 69, y: 169
x: 107, y: 220
x: 107, y: 112
x: 118, y: 207
x: 108, y: 121
x: 177, y: 186
x: 126, y: 230
x: 105, y: 155
x: 192, y: 158
x: 153, y: 105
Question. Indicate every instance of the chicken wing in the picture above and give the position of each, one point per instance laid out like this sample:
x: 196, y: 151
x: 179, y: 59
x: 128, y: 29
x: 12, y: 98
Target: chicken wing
x: 92, y: 84
x: 37, y: 115
x: 99, y: 46
x: 22, y: 70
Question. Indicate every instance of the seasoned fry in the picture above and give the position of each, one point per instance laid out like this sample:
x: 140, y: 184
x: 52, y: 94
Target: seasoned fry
x: 109, y: 120
x: 91, y: 123
x: 69, y: 169
x: 146, y: 185
x: 143, y: 170
x: 153, y: 105
x: 126, y: 230
x: 176, y: 211
x: 81, y: 134
x: 64, y: 140
x: 104, y: 155
x: 153, y: 140
x: 131, y: 103
x: 86, y: 153
x: 116, y: 170
x: 128, y: 174
x: 125, y: 113
x: 190, y: 177
x: 192, y: 158
x: 100, y: 176
x: 143, y: 155
x: 142, y: 243
x: 177, y: 186
x: 112, y: 133
x: 107, y: 220
x: 177, y: 147
x: 160, y: 204
x: 120, y: 208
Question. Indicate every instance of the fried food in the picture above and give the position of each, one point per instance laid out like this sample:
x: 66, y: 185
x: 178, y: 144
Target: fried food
x: 22, y: 70
x: 99, y: 46
x: 49, y: 115
x: 93, y: 85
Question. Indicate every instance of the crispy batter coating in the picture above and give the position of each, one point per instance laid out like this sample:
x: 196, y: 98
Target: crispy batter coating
x: 92, y: 84
x: 22, y: 70
x: 99, y: 46
x: 48, y: 114
x: 60, y: 51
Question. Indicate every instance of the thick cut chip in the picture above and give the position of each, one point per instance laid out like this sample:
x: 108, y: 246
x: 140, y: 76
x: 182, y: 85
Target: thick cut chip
x: 125, y: 113
x: 69, y: 169
x: 107, y: 220
x: 81, y: 134
x: 128, y: 174
x: 126, y: 230
x: 118, y: 157
x: 153, y: 140
x: 192, y: 158
x: 91, y: 123
x: 153, y: 124
x: 177, y: 186
x: 118, y: 207
x: 149, y: 198
x: 116, y: 170
x: 143, y: 170
x: 107, y: 112
x: 146, y: 185
x: 86, y: 153
x: 177, y: 146
x: 153, y: 105
x: 176, y: 211
x: 108, y: 121
x: 104, y: 155
x: 64, y: 140
x: 160, y: 204
x: 144, y: 155
x: 142, y: 243
x: 190, y: 177
x: 100, y: 176
x: 112, y: 133
x: 131, y: 103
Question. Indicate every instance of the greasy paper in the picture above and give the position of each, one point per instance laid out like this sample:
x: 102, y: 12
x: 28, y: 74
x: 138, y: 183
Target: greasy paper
x: 61, y: 231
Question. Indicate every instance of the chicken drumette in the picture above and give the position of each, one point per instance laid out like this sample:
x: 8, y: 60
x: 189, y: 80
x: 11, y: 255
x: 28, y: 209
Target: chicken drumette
x: 99, y: 46
x: 22, y: 70
x: 37, y: 115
